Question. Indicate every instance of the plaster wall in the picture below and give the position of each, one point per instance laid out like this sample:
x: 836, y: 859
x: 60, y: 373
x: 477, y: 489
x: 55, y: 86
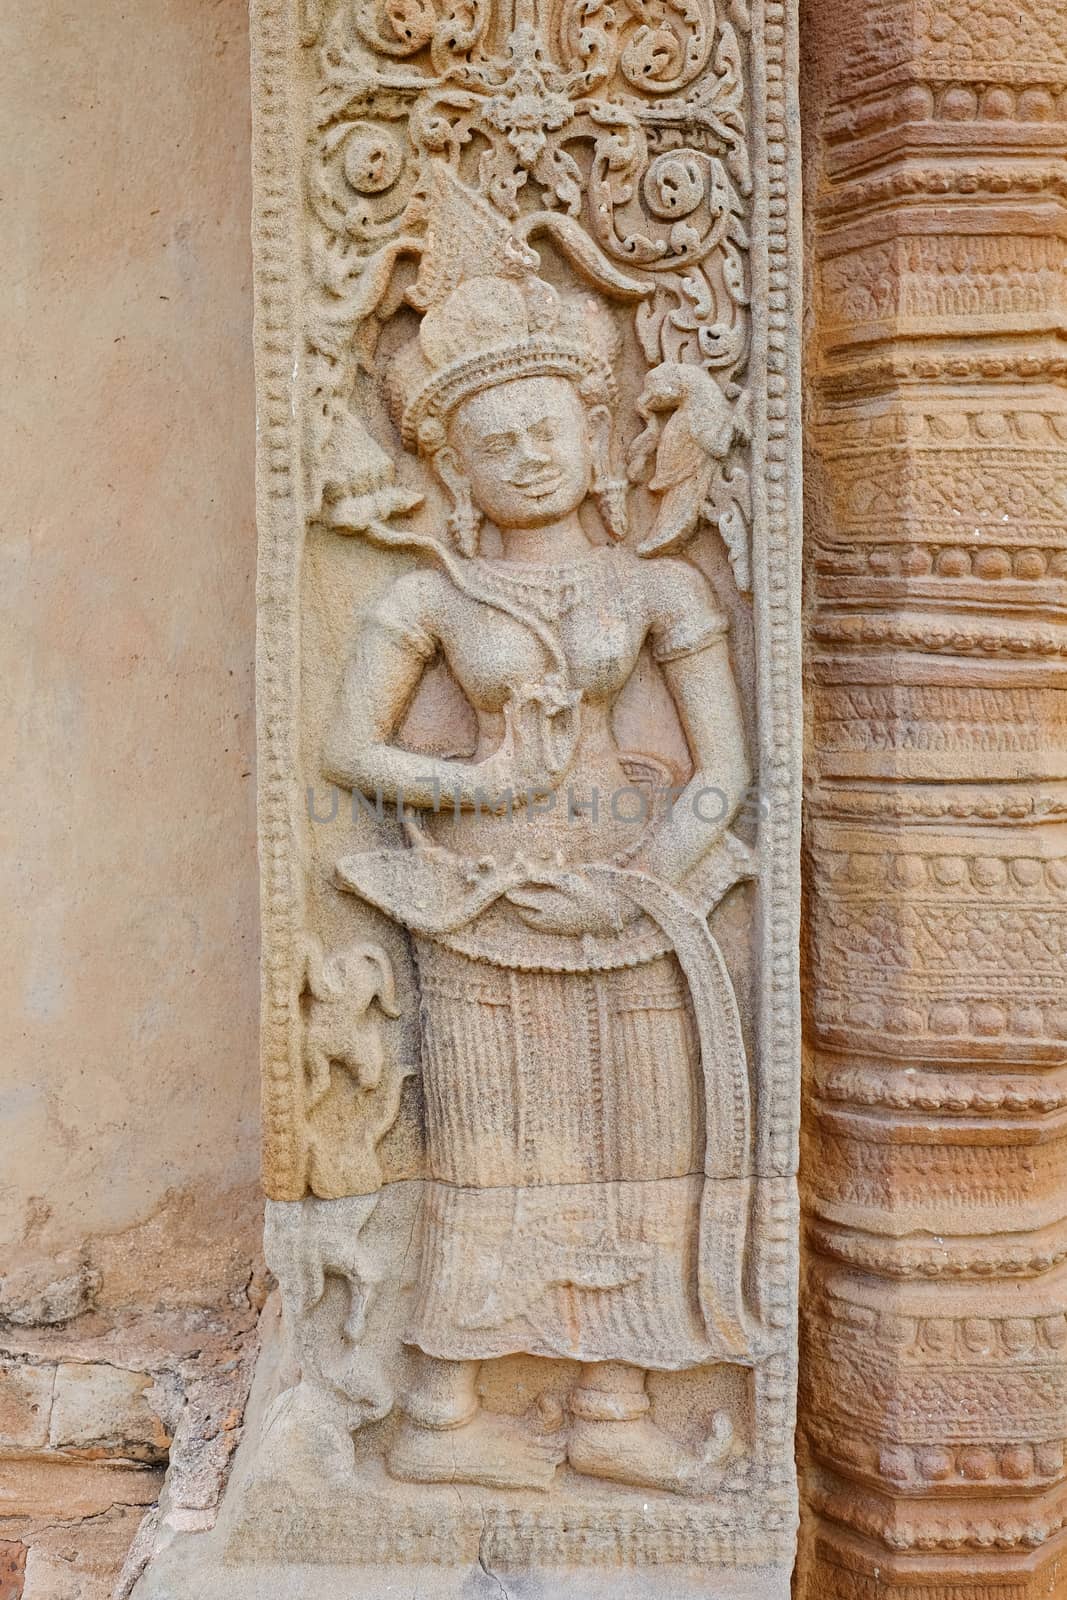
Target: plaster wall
x: 129, y: 1011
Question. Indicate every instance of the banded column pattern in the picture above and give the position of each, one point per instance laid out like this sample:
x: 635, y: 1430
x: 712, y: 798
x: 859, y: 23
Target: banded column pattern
x: 935, y: 1406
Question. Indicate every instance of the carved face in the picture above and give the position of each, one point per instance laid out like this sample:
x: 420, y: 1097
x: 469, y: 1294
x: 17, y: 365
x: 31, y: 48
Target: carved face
x: 524, y: 446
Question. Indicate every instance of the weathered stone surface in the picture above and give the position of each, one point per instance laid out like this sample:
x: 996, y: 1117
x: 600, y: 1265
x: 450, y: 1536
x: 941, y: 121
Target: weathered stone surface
x: 44, y: 1293
x: 130, y: 1117
x: 12, y: 1569
x: 129, y: 1006
x: 25, y: 1405
x: 35, y: 1487
x: 100, y: 1410
x: 297, y: 1581
x: 207, y: 1424
x: 935, y: 1395
x: 80, y: 1561
x: 90, y: 1467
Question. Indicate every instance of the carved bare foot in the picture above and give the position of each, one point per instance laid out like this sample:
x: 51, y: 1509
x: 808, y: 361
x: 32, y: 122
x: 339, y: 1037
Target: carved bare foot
x: 496, y: 1452
x: 638, y: 1453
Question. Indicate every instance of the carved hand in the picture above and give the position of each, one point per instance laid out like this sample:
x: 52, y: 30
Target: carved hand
x: 554, y: 900
x: 542, y: 724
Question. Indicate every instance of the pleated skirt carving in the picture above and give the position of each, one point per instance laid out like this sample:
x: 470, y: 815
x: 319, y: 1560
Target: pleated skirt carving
x: 564, y: 1129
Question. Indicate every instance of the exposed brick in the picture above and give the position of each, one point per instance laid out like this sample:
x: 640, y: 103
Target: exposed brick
x: 12, y: 1570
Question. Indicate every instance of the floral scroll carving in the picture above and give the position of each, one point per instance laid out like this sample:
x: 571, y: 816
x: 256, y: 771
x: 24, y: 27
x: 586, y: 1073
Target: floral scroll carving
x: 622, y: 141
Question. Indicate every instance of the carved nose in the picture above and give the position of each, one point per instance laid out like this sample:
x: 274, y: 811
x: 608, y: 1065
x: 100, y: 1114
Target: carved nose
x: 533, y: 455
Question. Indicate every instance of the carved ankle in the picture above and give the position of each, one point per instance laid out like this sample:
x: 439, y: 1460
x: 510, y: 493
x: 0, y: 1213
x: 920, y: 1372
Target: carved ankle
x: 439, y: 1414
x: 608, y: 1405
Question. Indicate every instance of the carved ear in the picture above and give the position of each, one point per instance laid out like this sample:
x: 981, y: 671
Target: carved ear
x: 447, y: 467
x: 464, y: 523
x: 599, y: 418
x: 334, y: 976
x: 386, y: 990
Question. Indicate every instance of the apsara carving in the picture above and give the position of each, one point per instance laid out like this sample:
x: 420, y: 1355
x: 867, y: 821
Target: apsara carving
x: 545, y: 1066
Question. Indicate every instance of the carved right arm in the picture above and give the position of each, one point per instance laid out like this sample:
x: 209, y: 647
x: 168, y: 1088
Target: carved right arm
x: 379, y: 685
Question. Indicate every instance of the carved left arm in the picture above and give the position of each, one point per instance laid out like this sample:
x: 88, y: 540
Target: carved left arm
x: 705, y: 695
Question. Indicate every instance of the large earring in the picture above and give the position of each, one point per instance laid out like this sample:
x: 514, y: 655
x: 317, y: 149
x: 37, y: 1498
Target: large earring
x: 464, y: 520
x: 609, y: 492
x: 465, y: 528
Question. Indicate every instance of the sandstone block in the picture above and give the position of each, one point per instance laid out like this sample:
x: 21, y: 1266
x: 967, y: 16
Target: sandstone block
x: 79, y: 1561
x: 103, y: 1410
x: 12, y: 1569
x: 540, y: 1303
x: 25, y: 1405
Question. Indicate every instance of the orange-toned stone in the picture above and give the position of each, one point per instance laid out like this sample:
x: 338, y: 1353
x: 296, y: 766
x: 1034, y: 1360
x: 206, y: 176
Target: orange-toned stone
x: 12, y: 1570
x: 933, y: 1398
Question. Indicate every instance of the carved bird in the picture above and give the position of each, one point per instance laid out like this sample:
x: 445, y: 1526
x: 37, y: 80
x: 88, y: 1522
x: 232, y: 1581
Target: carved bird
x: 353, y: 481
x: 690, y: 449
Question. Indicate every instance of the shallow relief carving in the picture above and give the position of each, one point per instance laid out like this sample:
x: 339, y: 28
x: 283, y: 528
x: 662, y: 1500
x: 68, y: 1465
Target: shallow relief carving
x: 531, y: 1117
x: 934, y: 1287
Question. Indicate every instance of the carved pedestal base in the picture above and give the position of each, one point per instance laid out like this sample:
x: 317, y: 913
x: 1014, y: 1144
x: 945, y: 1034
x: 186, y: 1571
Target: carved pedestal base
x: 840, y: 1566
x: 214, y: 1580
x: 312, y: 1508
x: 217, y: 1582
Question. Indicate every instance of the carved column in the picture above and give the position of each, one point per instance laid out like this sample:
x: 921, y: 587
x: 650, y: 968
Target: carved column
x: 935, y: 1408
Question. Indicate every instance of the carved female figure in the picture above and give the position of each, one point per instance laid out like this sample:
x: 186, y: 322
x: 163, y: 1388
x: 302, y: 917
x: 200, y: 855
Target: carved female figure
x: 583, y: 1070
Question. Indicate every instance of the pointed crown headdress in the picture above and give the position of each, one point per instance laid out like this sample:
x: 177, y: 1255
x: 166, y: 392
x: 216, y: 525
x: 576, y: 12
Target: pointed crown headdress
x: 487, y: 318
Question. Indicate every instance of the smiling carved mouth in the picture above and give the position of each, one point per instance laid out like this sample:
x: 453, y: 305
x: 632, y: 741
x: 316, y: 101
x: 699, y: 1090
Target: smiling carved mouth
x: 539, y: 487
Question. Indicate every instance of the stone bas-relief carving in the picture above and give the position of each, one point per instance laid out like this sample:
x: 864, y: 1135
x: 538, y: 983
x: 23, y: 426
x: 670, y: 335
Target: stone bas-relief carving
x: 560, y: 1208
x: 529, y: 657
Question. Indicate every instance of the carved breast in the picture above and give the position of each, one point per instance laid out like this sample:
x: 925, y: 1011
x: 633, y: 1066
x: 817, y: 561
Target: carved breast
x: 595, y: 609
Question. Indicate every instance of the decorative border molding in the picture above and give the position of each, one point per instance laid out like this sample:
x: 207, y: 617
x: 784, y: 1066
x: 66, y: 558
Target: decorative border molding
x: 282, y: 31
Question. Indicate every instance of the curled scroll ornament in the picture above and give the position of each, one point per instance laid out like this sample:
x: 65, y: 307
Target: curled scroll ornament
x: 616, y: 133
